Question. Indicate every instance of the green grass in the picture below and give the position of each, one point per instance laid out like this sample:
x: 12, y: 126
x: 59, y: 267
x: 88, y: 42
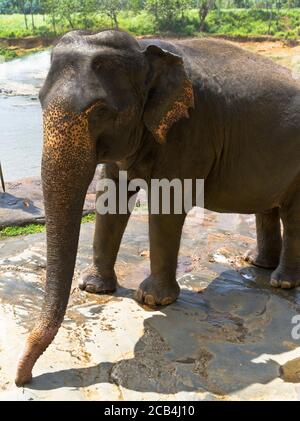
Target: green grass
x: 13, y: 231
x: 255, y: 22
x: 7, y: 54
x: 13, y: 26
x: 88, y: 218
x: 137, y: 24
x: 233, y: 22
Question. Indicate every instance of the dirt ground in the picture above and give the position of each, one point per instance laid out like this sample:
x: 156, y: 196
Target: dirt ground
x: 280, y: 52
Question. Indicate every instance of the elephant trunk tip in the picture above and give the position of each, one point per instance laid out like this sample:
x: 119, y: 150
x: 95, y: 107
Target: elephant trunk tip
x: 23, y: 376
x: 37, y: 342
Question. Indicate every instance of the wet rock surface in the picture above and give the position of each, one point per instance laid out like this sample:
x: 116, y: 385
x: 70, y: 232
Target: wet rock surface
x: 23, y: 201
x: 229, y: 335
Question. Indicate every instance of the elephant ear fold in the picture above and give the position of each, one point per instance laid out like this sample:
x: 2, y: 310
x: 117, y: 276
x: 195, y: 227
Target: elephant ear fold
x: 170, y: 92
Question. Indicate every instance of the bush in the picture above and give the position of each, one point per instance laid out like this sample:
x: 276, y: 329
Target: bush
x: 44, y: 31
x: 254, y: 22
x: 285, y: 23
x: 138, y: 24
x: 7, y: 54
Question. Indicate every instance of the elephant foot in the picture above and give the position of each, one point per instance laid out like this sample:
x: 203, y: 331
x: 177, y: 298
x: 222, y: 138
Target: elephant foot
x: 91, y: 281
x: 260, y: 260
x: 285, y: 280
x: 153, y: 292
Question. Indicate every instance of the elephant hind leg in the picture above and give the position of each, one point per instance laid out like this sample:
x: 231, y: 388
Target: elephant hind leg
x: 287, y: 274
x: 269, y: 240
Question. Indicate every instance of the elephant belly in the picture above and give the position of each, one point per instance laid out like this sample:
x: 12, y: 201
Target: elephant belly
x: 254, y: 188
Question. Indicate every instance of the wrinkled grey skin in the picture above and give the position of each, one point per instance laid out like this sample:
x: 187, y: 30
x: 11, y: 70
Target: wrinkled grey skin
x: 193, y: 109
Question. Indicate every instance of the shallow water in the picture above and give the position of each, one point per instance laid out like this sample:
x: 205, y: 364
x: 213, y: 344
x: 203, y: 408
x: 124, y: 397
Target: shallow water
x: 20, y: 115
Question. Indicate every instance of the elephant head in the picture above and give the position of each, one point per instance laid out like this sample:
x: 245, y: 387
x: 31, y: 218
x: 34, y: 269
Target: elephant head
x: 102, y: 94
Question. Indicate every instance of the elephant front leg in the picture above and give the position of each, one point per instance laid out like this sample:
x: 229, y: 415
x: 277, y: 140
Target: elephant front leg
x: 269, y: 241
x: 100, y: 277
x: 161, y: 287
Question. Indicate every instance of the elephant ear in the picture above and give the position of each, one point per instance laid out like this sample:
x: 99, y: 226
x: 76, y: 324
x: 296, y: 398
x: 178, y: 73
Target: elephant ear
x: 170, y: 92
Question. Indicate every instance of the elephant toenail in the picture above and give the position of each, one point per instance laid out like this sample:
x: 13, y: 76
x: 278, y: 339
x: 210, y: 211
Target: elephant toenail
x: 274, y: 283
x: 166, y: 301
x: 91, y: 288
x: 150, y: 300
x: 286, y: 285
x: 81, y: 284
x: 138, y: 295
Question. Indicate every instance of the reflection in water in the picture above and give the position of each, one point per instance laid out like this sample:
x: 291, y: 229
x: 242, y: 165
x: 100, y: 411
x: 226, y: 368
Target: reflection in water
x: 20, y: 115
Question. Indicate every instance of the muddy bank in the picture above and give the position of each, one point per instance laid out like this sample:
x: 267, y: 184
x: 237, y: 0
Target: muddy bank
x: 28, y: 43
x: 23, y: 46
x: 37, y: 42
x: 259, y: 38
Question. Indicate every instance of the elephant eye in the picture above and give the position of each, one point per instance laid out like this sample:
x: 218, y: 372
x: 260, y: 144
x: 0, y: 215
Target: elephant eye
x: 101, y: 109
x: 98, y: 106
x: 98, y: 64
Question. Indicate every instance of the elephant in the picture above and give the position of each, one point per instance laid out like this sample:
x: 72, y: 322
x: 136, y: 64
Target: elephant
x: 191, y: 109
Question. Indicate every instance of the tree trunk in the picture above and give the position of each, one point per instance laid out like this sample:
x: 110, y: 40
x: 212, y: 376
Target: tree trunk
x: 25, y: 20
x: 32, y: 21
x: 70, y: 21
x: 270, y: 21
x: 53, y: 22
x: 115, y: 20
x: 203, y: 11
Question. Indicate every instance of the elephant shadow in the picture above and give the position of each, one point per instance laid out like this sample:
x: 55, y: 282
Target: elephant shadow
x: 220, y: 340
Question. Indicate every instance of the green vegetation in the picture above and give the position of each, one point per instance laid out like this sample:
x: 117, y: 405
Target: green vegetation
x: 13, y: 231
x: 88, y: 218
x: 253, y: 22
x: 280, y: 18
x: 7, y: 54
x: 13, y: 26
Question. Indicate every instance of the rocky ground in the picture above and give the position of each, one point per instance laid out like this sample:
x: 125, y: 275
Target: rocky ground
x: 23, y: 201
x: 227, y: 337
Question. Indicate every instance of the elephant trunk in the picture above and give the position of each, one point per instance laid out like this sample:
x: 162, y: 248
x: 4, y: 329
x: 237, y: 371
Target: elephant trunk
x: 67, y: 169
